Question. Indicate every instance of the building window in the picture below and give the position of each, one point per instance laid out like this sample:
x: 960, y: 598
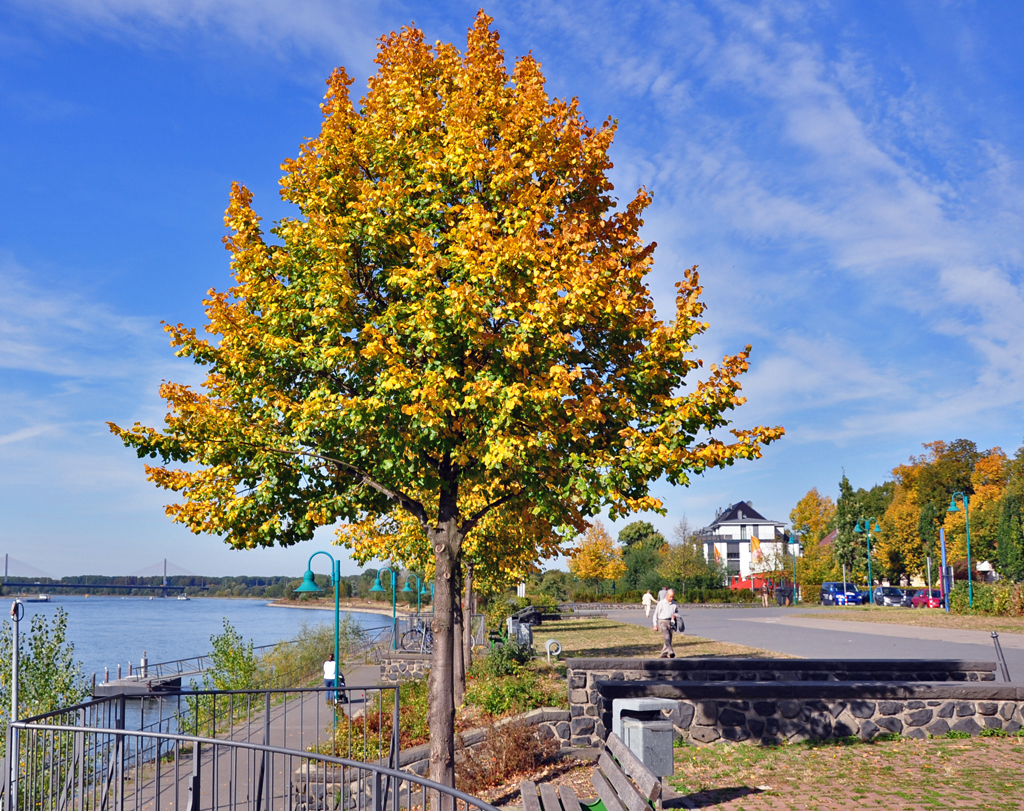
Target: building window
x: 733, y: 557
x: 743, y: 532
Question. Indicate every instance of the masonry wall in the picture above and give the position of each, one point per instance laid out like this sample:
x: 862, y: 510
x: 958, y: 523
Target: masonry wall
x: 397, y: 666
x: 775, y: 700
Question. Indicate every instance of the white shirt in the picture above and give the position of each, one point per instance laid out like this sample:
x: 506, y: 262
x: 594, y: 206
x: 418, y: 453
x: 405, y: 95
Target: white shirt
x: 647, y: 599
x: 330, y: 668
x: 665, y: 610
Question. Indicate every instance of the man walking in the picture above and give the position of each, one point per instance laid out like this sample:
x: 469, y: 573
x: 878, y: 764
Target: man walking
x: 648, y: 601
x: 664, y: 621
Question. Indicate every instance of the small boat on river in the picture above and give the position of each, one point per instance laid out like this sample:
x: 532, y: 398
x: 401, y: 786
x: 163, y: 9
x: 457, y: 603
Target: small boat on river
x: 40, y: 598
x: 183, y: 597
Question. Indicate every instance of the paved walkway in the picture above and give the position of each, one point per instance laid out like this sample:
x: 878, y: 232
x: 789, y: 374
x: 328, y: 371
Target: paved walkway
x: 790, y: 630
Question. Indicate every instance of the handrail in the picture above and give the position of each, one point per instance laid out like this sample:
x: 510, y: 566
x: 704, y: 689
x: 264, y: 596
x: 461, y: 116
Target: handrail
x: 385, y: 771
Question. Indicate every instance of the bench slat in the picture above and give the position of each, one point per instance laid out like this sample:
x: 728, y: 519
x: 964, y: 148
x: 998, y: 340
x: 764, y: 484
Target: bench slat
x: 570, y: 802
x: 633, y: 799
x: 549, y: 797
x: 531, y: 802
x: 606, y: 792
x: 646, y: 781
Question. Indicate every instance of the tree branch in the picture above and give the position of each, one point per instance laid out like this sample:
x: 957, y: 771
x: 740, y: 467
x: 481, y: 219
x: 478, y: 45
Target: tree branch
x: 474, y: 519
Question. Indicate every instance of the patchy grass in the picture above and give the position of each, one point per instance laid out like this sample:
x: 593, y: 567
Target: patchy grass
x: 603, y: 637
x: 921, y: 617
x: 898, y: 774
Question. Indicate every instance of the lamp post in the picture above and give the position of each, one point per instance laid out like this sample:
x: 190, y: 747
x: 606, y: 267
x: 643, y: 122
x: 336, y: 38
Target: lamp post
x: 420, y: 591
x: 309, y: 586
x: 864, y: 526
x: 967, y: 524
x: 377, y: 588
x: 793, y: 539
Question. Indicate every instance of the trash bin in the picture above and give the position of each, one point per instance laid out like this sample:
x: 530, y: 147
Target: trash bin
x: 645, y: 730
x: 783, y: 595
x: 651, y: 741
x: 520, y: 632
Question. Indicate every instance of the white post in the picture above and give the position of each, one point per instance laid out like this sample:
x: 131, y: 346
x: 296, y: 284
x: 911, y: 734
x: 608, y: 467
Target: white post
x: 17, y: 612
x: 929, y: 577
x: 846, y: 598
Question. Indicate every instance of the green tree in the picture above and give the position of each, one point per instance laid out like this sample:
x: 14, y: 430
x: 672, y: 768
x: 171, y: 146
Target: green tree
x: 1010, y: 537
x: 641, y: 546
x: 49, y: 675
x: 847, y: 546
x: 640, y: 533
x: 456, y: 322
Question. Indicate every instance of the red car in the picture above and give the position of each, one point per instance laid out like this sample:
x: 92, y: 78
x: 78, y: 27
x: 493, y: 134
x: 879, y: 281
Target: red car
x: 926, y: 599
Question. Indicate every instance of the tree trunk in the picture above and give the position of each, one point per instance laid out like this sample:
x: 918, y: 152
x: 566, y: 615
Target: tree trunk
x: 446, y: 540
x: 458, y: 660
x: 467, y: 619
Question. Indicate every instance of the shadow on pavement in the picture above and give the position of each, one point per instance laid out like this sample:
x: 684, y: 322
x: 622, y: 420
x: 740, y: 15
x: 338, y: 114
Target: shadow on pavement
x: 709, y: 798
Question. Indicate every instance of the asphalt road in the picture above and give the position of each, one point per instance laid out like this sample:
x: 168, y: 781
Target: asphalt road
x: 792, y: 631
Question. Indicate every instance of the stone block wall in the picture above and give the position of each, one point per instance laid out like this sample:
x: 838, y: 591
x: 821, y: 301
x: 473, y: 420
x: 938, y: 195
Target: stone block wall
x: 818, y: 686
x: 775, y: 712
x: 797, y: 719
x: 397, y: 666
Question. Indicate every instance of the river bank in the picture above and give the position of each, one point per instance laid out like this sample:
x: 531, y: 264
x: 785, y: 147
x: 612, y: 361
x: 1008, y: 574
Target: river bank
x: 356, y: 606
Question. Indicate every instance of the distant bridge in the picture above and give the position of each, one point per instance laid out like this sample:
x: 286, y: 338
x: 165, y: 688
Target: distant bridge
x: 43, y: 587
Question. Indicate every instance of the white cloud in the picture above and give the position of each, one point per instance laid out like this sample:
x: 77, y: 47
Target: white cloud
x: 302, y: 24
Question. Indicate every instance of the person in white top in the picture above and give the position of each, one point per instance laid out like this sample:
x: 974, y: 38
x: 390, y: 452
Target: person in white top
x: 648, y: 601
x: 330, y: 674
x: 664, y: 621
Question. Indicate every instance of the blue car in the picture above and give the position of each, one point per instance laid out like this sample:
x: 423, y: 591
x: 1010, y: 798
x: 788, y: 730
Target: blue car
x: 836, y: 594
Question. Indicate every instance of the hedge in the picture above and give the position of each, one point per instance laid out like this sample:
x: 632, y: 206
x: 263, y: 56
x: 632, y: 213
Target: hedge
x: 994, y: 599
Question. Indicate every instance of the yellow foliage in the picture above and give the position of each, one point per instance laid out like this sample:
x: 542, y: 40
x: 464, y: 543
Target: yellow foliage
x: 899, y: 546
x: 988, y: 481
x: 596, y: 557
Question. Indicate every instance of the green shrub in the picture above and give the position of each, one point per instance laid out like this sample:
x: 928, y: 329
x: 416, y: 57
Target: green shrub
x: 506, y: 659
x: 996, y: 599
x: 502, y: 695
x: 720, y: 596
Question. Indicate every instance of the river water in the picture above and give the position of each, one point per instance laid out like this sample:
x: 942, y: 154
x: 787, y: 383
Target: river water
x: 110, y: 630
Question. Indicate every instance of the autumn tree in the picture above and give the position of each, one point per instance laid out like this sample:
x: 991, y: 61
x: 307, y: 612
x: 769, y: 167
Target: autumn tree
x: 455, y: 322
x: 988, y: 483
x: 900, y: 548
x: 596, y: 557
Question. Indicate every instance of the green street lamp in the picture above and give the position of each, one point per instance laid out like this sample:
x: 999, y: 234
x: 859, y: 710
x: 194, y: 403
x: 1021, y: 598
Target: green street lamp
x: 793, y: 539
x: 864, y: 526
x: 420, y: 591
x: 967, y: 524
x: 309, y: 586
x: 377, y: 589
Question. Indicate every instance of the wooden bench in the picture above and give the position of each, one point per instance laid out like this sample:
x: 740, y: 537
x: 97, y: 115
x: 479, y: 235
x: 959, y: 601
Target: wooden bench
x: 640, y: 791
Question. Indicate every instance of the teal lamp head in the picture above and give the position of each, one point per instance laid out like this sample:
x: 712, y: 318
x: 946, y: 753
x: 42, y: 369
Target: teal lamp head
x: 423, y: 591
x: 406, y: 589
x: 952, y: 505
x: 859, y: 528
x: 878, y: 527
x: 309, y: 585
x: 377, y: 586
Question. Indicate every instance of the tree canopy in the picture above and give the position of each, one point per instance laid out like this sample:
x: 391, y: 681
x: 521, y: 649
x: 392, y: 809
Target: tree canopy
x: 456, y: 321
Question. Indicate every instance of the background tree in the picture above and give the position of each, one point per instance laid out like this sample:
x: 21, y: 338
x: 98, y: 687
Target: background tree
x: 812, y: 516
x: 900, y: 549
x: 988, y: 483
x: 595, y: 557
x: 846, y: 547
x: 457, y: 316
x: 641, y: 549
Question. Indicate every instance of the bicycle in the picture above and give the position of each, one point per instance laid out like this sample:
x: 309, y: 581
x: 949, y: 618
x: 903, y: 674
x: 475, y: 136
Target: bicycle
x: 420, y: 638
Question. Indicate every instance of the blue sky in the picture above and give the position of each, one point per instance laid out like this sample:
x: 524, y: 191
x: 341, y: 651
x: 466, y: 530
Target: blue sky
x: 846, y: 174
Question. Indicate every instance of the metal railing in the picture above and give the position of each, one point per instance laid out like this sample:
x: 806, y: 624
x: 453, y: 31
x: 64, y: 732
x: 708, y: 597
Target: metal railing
x: 68, y: 767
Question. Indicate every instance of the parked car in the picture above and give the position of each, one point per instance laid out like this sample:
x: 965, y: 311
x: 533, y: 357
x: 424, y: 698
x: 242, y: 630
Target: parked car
x: 888, y: 595
x: 925, y: 599
x: 833, y: 594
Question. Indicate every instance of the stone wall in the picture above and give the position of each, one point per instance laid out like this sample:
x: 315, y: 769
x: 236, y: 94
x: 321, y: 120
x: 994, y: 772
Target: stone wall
x: 795, y: 712
x: 550, y: 722
x: 396, y: 666
x: 807, y: 698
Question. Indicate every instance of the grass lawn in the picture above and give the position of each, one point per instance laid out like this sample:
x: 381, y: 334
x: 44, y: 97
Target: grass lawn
x: 924, y: 617
x: 940, y: 773
x: 602, y: 637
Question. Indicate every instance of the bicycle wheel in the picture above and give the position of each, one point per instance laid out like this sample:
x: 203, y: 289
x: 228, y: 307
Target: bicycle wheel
x: 412, y: 640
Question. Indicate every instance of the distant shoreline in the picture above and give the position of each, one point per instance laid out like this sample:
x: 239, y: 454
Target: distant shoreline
x: 368, y: 608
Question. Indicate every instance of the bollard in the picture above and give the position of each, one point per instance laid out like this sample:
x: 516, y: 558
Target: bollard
x: 129, y: 669
x: 106, y: 675
x: 119, y: 671
x: 144, y: 665
x: 94, y: 682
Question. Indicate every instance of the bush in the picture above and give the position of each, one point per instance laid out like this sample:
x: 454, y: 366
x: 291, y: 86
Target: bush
x: 507, y: 659
x: 502, y: 695
x: 507, y: 752
x: 721, y: 596
x: 50, y: 678
x: 300, y: 662
x: 993, y: 599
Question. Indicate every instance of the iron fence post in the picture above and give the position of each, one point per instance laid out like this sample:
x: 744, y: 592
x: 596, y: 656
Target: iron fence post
x: 194, y: 781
